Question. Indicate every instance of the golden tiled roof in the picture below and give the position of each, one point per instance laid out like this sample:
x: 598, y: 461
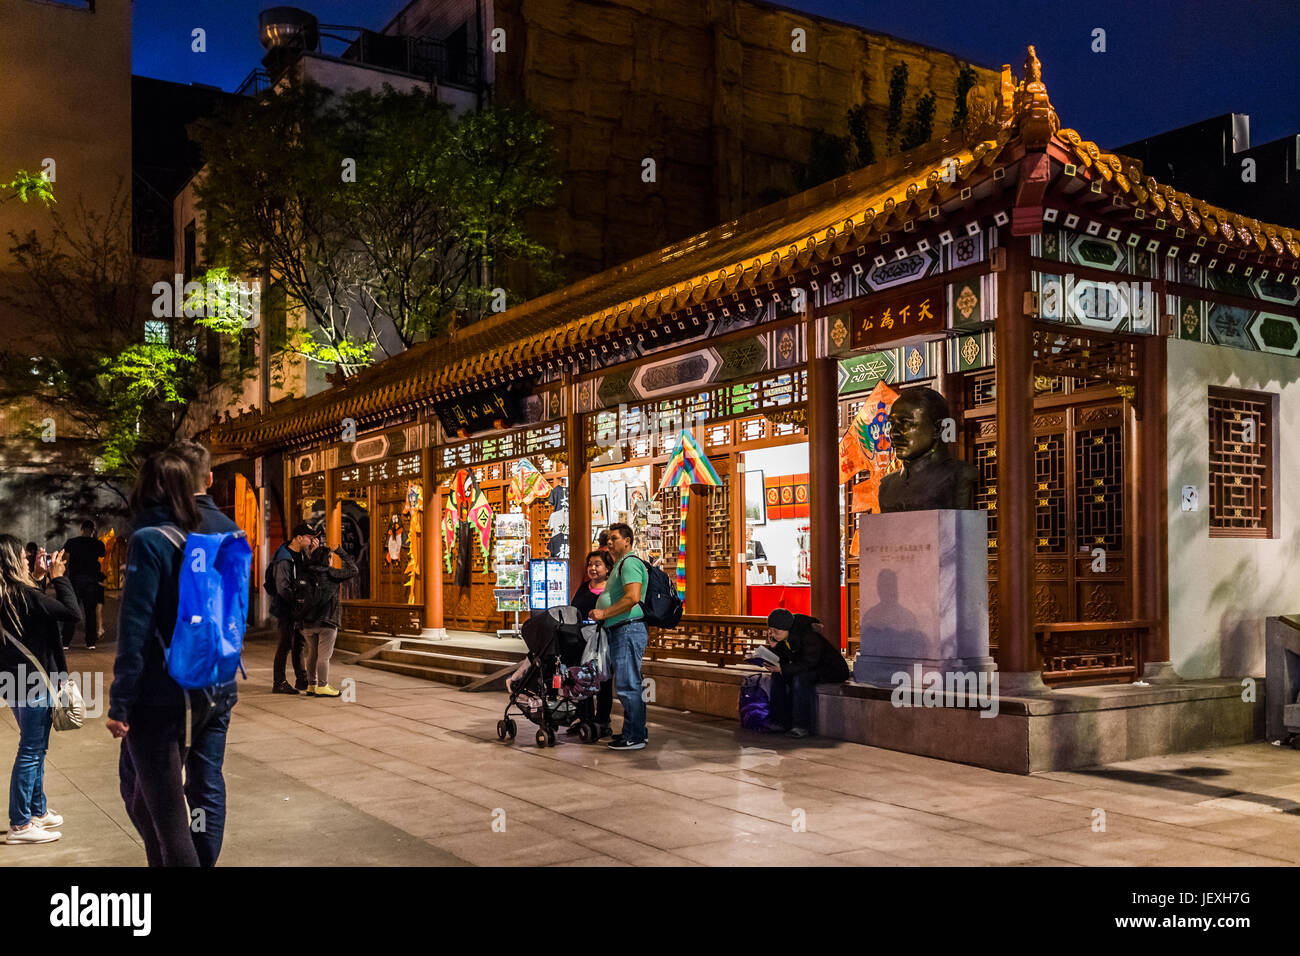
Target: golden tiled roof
x: 771, y: 243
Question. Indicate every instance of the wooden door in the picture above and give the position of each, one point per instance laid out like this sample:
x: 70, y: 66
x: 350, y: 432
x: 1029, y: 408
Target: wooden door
x: 1083, y: 555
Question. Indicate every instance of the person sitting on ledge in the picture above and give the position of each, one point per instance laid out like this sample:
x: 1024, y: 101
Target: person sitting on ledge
x: 807, y: 659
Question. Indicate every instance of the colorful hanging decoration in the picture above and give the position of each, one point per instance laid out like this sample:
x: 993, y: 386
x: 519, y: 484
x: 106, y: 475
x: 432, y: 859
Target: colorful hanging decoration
x: 528, y: 484
x: 688, y: 467
x: 466, y: 502
x: 869, y: 431
x: 414, y: 510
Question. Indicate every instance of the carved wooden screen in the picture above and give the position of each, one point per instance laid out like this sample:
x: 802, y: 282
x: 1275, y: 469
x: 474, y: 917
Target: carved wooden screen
x: 1081, y: 555
x: 718, y: 559
x: 1241, y: 464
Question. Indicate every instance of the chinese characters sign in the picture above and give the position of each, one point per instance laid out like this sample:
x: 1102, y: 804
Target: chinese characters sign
x: 879, y: 320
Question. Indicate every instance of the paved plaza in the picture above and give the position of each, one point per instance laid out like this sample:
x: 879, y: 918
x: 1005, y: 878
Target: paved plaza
x: 412, y: 773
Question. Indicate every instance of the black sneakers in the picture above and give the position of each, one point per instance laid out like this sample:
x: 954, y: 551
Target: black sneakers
x: 300, y: 684
x: 283, y: 687
x: 622, y: 743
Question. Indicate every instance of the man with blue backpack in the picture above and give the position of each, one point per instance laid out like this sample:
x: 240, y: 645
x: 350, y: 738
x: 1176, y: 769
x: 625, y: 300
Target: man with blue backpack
x: 183, y: 610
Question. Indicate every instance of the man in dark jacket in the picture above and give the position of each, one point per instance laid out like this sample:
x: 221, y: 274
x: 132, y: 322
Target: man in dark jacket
x: 807, y: 659
x: 145, y: 697
x: 84, y: 553
x: 288, y: 564
x: 320, y: 625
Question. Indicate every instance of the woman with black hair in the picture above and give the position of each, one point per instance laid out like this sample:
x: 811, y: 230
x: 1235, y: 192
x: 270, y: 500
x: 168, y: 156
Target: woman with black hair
x: 29, y: 618
x: 147, y: 708
x: 595, y: 710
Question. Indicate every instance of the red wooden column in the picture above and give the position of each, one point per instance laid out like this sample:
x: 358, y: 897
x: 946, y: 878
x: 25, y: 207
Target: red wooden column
x: 1018, y: 661
x: 579, y: 482
x: 434, y: 626
x: 824, y: 485
x: 1152, y: 551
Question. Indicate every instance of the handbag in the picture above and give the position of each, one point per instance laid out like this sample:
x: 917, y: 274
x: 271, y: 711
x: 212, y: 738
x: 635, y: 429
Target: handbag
x: 67, y: 706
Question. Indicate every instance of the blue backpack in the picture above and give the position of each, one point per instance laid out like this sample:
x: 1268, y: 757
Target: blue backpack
x: 212, y: 607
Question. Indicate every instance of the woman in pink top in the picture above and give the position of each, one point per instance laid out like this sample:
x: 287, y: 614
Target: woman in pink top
x: 597, y: 710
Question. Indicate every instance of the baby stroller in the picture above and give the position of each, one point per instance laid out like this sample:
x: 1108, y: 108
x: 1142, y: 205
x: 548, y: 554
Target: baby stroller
x: 566, y: 663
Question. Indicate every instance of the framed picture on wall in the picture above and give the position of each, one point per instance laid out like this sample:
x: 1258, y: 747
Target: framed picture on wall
x: 617, y: 496
x: 755, y: 499
x: 599, y: 511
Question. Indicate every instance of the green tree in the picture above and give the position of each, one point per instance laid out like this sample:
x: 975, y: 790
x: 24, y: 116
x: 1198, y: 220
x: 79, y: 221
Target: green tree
x: 897, y: 94
x: 920, y: 126
x: 25, y: 187
x: 383, y: 214
x: 861, y: 135
x: 122, y: 382
x: 966, y: 80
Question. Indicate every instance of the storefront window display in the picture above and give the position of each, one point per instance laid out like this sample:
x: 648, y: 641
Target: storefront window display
x: 353, y: 504
x: 624, y: 495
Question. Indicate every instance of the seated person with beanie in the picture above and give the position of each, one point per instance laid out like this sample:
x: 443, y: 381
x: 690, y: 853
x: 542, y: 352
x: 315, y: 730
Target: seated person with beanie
x: 807, y: 659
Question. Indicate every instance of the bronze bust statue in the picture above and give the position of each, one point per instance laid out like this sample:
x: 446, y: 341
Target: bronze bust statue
x: 931, y: 478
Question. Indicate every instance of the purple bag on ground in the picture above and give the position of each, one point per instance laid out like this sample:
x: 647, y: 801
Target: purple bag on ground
x: 754, y: 706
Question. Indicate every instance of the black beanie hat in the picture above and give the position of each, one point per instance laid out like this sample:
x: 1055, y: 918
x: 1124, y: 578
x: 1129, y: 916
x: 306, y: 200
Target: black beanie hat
x: 781, y: 619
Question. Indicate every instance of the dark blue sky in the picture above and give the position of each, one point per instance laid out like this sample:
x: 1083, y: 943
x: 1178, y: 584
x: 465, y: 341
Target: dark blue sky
x: 1168, y: 63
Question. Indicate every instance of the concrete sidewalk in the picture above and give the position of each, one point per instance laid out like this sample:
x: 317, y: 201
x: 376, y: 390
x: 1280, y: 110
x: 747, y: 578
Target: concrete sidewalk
x: 413, y: 773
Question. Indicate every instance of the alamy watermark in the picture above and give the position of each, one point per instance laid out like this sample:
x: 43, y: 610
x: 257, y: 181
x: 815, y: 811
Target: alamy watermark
x: 26, y: 687
x: 215, y: 298
x: 963, y: 689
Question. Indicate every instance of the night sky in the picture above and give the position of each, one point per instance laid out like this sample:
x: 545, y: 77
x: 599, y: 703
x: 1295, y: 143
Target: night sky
x: 1167, y: 64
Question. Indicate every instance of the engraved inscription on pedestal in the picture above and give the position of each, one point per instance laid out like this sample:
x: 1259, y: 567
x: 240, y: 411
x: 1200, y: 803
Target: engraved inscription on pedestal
x: 924, y: 593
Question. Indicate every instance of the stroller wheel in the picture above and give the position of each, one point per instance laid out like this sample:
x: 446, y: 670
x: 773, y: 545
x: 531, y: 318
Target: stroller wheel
x: 501, y: 730
x: 511, y: 729
x: 550, y: 738
x: 585, y: 732
x: 541, y: 738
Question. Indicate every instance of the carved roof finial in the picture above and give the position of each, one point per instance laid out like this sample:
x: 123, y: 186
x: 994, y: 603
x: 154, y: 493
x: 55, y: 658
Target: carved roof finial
x: 1033, y: 68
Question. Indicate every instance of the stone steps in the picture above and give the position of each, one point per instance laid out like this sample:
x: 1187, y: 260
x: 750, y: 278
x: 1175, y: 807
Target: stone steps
x: 444, y: 662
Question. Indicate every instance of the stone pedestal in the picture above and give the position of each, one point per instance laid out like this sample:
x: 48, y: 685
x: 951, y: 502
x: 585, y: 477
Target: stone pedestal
x: 923, y: 592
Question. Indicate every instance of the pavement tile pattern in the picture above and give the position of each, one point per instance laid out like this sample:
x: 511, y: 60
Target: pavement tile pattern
x: 412, y: 773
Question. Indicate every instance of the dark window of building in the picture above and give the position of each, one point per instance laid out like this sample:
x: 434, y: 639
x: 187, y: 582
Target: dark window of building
x: 275, y: 312
x: 458, y: 54
x: 1242, y: 452
x: 191, y: 250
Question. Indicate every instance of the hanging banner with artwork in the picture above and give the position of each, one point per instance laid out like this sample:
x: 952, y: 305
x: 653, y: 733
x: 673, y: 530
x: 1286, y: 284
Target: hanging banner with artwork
x: 688, y: 467
x: 414, y: 511
x: 466, y: 503
x: 869, y: 431
x: 528, y: 484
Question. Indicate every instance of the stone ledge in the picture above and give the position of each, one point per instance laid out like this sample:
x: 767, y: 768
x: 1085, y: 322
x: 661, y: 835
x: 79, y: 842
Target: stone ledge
x: 1079, y: 699
x: 1082, y: 727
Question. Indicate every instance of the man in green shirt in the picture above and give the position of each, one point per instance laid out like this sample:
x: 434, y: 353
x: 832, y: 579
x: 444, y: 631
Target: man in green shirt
x: 619, y: 609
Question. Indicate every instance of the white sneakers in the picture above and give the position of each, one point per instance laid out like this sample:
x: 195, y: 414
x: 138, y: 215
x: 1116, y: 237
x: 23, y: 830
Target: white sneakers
x: 39, y: 830
x: 49, y: 820
x: 31, y: 834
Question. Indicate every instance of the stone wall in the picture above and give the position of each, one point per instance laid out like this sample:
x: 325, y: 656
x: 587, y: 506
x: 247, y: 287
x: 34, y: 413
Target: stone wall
x: 711, y: 91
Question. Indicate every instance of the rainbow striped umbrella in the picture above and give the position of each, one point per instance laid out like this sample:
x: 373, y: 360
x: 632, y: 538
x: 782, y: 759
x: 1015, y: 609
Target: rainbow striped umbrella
x: 687, y: 467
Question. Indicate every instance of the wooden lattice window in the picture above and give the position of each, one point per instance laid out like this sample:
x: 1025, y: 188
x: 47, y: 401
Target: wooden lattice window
x: 719, y: 522
x: 1049, y: 496
x: 986, y: 488
x: 1242, y: 449
x: 1099, y: 488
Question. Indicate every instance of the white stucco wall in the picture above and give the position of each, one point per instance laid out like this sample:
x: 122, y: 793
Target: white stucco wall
x: 1222, y: 589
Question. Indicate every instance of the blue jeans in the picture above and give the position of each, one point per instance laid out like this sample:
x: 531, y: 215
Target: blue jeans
x: 27, y: 783
x: 150, y: 765
x: 627, y: 646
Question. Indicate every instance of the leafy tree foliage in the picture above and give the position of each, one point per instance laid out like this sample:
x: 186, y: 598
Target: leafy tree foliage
x: 383, y: 214
x: 121, y: 392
